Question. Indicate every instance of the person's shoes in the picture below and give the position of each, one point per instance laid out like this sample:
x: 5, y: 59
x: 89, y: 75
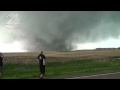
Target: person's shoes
x: 41, y: 78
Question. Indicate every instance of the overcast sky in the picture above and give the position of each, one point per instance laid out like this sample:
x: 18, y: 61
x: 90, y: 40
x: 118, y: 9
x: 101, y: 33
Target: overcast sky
x: 58, y: 30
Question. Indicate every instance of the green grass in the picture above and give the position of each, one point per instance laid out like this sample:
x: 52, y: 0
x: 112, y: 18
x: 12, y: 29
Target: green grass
x: 61, y: 69
x: 14, y: 71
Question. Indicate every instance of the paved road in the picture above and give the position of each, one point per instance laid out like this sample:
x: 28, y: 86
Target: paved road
x: 100, y: 76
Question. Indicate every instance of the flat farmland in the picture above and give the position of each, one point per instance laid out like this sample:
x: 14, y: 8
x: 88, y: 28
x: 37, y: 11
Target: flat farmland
x: 51, y: 56
x: 61, y: 64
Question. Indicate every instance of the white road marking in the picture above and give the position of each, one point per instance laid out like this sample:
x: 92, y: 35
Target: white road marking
x: 93, y: 75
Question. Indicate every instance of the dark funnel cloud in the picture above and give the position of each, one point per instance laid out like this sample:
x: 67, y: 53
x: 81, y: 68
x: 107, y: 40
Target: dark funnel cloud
x: 59, y: 30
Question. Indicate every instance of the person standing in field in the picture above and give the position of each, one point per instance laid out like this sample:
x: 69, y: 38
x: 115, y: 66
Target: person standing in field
x: 1, y: 65
x: 41, y: 59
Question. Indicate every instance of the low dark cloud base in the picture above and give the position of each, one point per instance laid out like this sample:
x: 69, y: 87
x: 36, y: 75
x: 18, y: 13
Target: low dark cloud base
x: 58, y: 30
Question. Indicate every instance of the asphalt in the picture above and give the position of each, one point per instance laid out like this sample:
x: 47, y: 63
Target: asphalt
x: 115, y: 75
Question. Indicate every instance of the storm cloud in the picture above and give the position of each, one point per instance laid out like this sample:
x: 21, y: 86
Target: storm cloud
x: 59, y: 30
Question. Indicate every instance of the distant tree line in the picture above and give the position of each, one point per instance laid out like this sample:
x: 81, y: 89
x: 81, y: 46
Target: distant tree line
x: 107, y: 48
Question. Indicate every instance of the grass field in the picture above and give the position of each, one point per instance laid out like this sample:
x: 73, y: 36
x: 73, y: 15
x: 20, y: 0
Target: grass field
x: 61, y: 64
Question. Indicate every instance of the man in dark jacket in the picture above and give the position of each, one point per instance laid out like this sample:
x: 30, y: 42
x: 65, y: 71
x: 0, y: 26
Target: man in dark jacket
x: 1, y: 64
x: 41, y: 58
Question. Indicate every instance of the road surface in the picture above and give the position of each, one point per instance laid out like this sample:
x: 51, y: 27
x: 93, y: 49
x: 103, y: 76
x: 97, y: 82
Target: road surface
x: 99, y: 76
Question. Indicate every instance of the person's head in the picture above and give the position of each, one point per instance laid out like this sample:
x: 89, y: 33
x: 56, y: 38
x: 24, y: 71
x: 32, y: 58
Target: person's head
x: 0, y: 54
x: 41, y: 52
